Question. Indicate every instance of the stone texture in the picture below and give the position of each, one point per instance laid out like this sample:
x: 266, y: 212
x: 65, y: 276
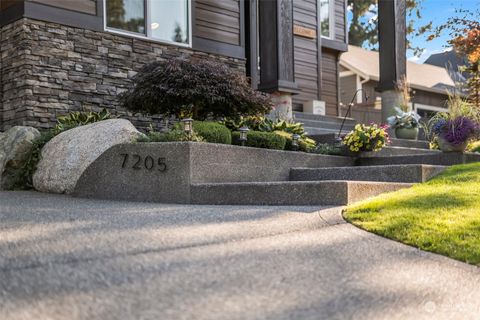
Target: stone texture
x: 66, y: 156
x: 304, y: 193
x: 50, y: 69
x: 390, y: 173
x: 439, y: 159
x: 187, y: 163
x: 76, y: 259
x: 15, y: 144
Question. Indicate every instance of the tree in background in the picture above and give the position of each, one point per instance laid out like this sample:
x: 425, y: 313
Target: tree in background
x: 363, y: 24
x: 464, y: 30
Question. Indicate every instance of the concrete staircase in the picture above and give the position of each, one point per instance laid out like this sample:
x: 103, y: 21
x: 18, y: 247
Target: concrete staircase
x: 316, y: 186
x: 315, y: 124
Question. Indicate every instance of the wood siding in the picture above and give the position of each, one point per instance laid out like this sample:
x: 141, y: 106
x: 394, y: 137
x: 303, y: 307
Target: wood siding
x: 218, y: 20
x: 84, y: 6
x: 340, y: 20
x: 305, y: 53
x: 5, y: 4
x: 329, y: 92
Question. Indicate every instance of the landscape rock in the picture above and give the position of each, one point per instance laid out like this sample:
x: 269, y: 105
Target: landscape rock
x: 66, y: 156
x: 15, y: 144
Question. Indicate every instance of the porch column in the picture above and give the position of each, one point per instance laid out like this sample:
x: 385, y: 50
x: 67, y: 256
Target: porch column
x: 277, y: 74
x: 392, y: 52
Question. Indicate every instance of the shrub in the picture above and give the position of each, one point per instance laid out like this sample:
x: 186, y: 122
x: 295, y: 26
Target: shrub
x: 328, y: 149
x: 304, y: 144
x: 77, y: 118
x: 213, y: 132
x: 474, y: 147
x: 199, y: 88
x: 257, y: 139
x: 170, y: 136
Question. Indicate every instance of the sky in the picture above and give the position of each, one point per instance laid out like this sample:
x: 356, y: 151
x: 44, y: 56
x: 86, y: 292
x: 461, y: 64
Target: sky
x: 437, y: 11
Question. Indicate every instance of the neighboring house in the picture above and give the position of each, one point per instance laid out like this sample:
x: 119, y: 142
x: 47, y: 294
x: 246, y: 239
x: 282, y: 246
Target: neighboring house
x: 359, y: 68
x: 450, y: 61
x: 62, y: 55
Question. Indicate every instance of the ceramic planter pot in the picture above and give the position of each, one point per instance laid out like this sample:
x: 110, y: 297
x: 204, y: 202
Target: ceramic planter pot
x: 407, y: 133
x: 446, y: 146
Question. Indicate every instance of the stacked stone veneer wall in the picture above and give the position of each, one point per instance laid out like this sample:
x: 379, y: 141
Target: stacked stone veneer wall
x: 49, y: 69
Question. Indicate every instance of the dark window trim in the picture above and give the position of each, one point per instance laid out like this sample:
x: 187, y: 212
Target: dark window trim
x: 334, y: 45
x: 211, y: 46
x: 67, y: 17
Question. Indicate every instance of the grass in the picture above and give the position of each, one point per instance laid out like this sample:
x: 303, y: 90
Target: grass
x: 441, y: 215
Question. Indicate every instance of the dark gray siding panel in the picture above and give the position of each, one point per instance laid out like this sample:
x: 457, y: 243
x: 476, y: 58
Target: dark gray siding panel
x: 218, y: 20
x: 329, y: 92
x: 340, y: 20
x: 85, y: 6
x: 305, y: 50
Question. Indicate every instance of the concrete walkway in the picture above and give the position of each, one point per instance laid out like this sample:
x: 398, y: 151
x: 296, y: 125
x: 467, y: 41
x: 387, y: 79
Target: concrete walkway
x: 67, y: 258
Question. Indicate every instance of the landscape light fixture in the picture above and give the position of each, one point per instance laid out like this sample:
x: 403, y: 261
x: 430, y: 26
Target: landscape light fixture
x: 295, y: 139
x: 243, y: 134
x: 187, y: 125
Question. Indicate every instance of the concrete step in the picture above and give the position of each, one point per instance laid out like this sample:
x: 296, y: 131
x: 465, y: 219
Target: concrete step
x: 390, y: 151
x: 325, y: 124
x: 311, y: 131
x: 410, y: 173
x: 441, y: 159
x: 289, y: 192
x: 299, y: 116
x: 418, y: 144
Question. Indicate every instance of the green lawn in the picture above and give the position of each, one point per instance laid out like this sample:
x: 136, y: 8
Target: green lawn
x: 441, y: 215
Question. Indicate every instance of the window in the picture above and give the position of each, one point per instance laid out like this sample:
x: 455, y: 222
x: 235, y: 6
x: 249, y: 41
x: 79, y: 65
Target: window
x: 164, y: 20
x: 326, y: 18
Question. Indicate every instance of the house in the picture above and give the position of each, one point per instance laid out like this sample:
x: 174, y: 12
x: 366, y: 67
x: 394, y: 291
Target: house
x: 359, y: 69
x: 61, y: 55
x: 451, y: 61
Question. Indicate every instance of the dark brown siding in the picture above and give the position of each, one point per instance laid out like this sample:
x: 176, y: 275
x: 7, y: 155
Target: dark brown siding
x: 348, y: 85
x: 305, y: 52
x: 4, y: 4
x: 85, y: 6
x: 340, y: 20
x: 431, y: 99
x: 329, y: 81
x: 217, y: 20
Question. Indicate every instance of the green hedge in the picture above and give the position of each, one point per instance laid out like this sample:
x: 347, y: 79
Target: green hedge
x: 213, y: 132
x: 257, y: 139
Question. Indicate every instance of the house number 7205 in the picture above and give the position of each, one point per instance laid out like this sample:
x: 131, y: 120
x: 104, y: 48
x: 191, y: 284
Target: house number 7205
x: 138, y: 162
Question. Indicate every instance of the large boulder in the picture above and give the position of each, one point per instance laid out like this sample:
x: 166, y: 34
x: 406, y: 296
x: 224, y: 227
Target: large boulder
x: 15, y: 145
x: 66, y: 156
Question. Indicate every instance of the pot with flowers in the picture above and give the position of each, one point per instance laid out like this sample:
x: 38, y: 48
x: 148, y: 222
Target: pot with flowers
x: 453, y: 130
x: 406, y: 121
x: 454, y: 134
x: 365, y: 138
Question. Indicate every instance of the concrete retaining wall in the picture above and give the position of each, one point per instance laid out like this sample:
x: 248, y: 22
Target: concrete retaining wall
x: 164, y: 172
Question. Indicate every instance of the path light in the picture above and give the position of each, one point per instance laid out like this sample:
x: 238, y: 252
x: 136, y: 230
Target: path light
x: 243, y: 134
x: 187, y: 125
x: 295, y: 139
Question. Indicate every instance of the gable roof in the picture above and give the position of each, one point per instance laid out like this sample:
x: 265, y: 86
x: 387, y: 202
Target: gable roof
x: 419, y: 76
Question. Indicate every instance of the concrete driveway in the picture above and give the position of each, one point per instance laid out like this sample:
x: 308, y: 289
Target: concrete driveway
x: 67, y: 258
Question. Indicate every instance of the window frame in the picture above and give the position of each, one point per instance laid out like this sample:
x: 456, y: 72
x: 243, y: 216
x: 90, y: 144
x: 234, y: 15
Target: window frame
x: 148, y: 31
x: 331, y: 19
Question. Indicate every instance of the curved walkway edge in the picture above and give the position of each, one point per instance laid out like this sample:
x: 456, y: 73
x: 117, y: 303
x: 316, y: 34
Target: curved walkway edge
x: 70, y: 258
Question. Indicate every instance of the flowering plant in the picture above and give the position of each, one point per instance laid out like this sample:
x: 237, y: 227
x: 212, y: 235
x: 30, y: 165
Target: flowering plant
x: 402, y: 119
x: 455, y: 131
x: 366, y: 138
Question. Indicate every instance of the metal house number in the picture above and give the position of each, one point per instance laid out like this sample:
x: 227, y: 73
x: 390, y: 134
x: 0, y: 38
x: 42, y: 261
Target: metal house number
x: 138, y: 162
